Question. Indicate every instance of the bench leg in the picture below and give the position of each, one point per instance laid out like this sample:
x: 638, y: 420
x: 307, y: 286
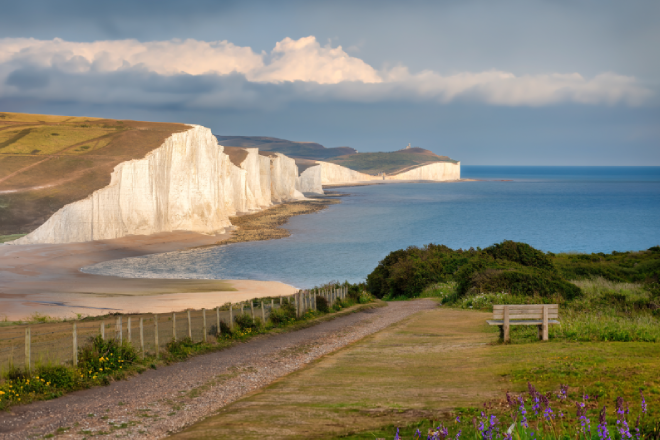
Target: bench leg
x: 540, y: 327
x: 501, y: 332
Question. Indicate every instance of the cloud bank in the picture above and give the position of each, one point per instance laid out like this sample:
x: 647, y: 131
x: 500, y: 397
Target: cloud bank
x: 219, y: 74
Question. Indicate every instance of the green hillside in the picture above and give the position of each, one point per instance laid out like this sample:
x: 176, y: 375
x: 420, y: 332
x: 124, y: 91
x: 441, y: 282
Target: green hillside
x: 391, y: 163
x: 303, y: 150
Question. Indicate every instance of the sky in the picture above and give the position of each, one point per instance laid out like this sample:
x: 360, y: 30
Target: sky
x: 552, y: 82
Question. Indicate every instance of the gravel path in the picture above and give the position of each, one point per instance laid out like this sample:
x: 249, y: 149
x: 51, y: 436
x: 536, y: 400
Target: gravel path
x: 159, y: 402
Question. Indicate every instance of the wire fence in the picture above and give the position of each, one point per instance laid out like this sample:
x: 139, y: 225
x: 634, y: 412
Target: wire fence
x: 26, y: 345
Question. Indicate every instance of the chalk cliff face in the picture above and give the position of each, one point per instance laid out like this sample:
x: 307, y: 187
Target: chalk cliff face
x: 311, y: 180
x: 188, y: 183
x: 331, y: 173
x: 438, y: 171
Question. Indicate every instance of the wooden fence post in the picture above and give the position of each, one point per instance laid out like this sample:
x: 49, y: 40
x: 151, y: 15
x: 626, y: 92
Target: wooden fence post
x: 142, y: 336
x: 189, y: 326
x: 252, y: 309
x: 507, y: 337
x: 204, y: 323
x: 280, y: 299
x: 174, y: 326
x: 118, y: 330
x: 75, y: 345
x: 103, y: 330
x: 28, y: 341
x: 129, y: 334
x: 263, y: 313
x: 156, y: 335
x: 231, y: 316
x: 217, y: 321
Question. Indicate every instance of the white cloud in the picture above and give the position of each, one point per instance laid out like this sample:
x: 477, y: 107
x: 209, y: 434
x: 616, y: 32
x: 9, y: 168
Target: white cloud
x: 297, y: 70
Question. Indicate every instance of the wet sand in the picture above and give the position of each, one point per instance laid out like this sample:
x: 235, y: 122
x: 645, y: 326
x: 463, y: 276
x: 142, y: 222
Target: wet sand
x: 46, y: 278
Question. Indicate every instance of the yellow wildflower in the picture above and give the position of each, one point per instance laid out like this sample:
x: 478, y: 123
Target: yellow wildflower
x: 1, y: 393
x: 100, y: 369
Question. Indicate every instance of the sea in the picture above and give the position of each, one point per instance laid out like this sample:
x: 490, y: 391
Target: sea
x: 556, y: 209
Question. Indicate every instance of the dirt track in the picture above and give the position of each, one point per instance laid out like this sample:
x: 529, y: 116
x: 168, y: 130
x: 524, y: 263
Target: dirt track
x: 159, y: 402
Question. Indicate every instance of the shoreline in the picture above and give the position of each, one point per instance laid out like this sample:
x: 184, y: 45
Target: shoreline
x: 45, y: 279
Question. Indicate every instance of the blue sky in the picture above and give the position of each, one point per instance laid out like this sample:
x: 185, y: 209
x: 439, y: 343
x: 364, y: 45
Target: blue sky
x: 508, y: 82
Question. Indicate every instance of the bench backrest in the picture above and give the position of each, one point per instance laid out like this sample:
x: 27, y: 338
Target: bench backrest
x: 526, y: 311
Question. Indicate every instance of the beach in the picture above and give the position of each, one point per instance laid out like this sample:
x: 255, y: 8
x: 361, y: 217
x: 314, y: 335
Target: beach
x: 45, y: 279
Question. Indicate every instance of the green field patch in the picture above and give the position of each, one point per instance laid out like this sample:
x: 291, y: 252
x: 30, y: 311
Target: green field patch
x: 47, y: 139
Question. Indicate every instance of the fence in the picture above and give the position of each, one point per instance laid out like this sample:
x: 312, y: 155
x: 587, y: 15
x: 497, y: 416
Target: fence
x: 24, y: 345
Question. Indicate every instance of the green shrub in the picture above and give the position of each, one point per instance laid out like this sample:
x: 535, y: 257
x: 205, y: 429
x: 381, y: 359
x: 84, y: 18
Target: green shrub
x: 244, y: 322
x: 322, y: 304
x: 283, y: 315
x: 101, y: 358
x: 520, y: 253
x: 181, y: 349
x: 523, y: 282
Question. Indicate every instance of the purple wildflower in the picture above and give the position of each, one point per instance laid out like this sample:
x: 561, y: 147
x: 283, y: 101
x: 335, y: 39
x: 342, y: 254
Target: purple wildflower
x: 622, y: 423
x: 396, y: 437
x: 458, y: 434
x: 637, y: 433
x: 523, y: 413
x: 641, y: 393
x: 563, y: 392
x: 458, y: 419
x: 603, y: 433
x: 585, y: 423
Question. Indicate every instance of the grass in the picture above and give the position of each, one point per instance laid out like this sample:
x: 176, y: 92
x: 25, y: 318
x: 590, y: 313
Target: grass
x: 6, y: 238
x: 433, y: 366
x: 607, y: 311
x: 390, y: 162
x: 48, y: 140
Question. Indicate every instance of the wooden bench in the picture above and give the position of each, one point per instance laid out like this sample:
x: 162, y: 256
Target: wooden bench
x: 540, y: 315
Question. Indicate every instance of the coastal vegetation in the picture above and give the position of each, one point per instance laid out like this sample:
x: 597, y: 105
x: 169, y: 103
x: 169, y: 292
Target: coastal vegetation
x: 606, y: 297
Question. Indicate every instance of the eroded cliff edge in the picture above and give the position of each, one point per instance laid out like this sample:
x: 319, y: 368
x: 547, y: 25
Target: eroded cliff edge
x: 188, y: 183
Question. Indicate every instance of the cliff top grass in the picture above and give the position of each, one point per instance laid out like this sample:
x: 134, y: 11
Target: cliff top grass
x: 303, y: 150
x: 48, y: 161
x: 393, y: 162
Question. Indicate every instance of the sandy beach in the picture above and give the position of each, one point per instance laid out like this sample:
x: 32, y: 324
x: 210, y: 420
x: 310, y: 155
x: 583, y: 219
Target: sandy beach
x: 46, y: 278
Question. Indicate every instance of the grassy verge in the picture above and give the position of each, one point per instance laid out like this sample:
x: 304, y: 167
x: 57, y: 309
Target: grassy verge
x: 101, y: 362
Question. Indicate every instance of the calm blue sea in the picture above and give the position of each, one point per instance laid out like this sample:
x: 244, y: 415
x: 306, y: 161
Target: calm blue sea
x: 558, y: 209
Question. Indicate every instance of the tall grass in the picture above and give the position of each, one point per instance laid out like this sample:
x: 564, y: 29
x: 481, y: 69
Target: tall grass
x: 607, y: 311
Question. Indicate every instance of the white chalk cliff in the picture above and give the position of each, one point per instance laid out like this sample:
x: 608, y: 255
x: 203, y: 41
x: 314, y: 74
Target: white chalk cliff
x: 438, y: 171
x: 188, y: 183
x: 330, y: 173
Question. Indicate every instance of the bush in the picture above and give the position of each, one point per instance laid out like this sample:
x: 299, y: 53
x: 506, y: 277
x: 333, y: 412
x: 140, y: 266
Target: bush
x: 322, y: 304
x: 103, y: 358
x: 282, y: 315
x: 245, y: 322
x: 181, y: 349
x: 520, y: 253
x: 530, y: 282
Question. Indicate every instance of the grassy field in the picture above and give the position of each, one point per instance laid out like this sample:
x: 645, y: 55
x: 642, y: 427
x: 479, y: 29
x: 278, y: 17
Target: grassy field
x: 391, y: 162
x: 431, y: 366
x: 48, y: 161
x: 304, y: 150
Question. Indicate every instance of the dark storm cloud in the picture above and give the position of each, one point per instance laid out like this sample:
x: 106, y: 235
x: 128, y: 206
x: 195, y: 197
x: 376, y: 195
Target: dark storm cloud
x: 27, y: 78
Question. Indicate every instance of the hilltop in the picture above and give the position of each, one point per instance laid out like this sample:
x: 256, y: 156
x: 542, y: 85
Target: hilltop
x: 306, y: 153
x: 301, y: 150
x: 390, y: 163
x: 47, y: 161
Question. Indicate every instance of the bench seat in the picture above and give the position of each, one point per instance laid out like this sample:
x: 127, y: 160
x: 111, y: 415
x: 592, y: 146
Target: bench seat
x: 521, y: 322
x: 540, y: 315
